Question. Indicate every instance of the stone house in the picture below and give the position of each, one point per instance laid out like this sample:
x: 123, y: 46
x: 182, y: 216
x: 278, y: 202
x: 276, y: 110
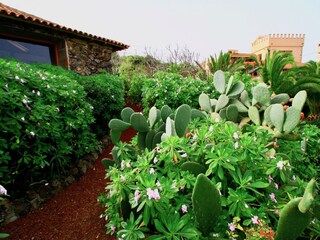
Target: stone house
x: 32, y: 39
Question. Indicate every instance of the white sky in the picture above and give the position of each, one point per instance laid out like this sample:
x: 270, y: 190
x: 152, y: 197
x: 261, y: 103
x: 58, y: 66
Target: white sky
x: 203, y: 26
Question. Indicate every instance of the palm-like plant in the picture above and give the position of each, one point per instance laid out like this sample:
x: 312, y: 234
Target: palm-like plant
x: 306, y: 78
x: 272, y: 72
x: 223, y: 62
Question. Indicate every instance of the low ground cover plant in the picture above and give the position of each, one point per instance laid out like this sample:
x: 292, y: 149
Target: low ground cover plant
x: 45, y: 124
x: 220, y: 178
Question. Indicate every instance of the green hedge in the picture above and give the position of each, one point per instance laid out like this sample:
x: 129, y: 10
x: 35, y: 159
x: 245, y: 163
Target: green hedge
x: 45, y: 118
x: 173, y: 89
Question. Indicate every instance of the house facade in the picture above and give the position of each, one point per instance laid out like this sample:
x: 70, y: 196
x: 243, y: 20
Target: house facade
x: 292, y: 43
x: 32, y: 39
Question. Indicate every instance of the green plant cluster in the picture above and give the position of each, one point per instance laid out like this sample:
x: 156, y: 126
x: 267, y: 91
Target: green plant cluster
x: 104, y: 92
x: 174, y: 90
x: 46, y: 119
x: 254, y: 178
x: 221, y: 179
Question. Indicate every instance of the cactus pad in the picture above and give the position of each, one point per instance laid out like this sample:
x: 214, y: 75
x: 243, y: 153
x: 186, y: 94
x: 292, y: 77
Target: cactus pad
x: 219, y: 81
x: 115, y: 136
x: 292, y: 119
x: 204, y: 102
x: 299, y: 100
x: 261, y: 94
x: 236, y: 89
x: 153, y: 116
x: 277, y: 116
x: 126, y: 114
x: 165, y: 112
x: 292, y: 222
x: 139, y: 122
x: 232, y: 113
x: 223, y: 101
x: 118, y: 125
x: 206, y: 204
x: 254, y: 115
x: 195, y: 113
x: 282, y: 98
x: 182, y: 119
x: 194, y: 168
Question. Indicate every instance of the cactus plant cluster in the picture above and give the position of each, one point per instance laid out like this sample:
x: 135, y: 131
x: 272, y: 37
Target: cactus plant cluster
x: 160, y: 124
x: 235, y: 105
x: 297, y: 214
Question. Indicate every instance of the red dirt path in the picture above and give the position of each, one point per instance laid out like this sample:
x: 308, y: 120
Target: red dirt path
x: 71, y: 215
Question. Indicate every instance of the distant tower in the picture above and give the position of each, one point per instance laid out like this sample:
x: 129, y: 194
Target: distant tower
x: 279, y: 42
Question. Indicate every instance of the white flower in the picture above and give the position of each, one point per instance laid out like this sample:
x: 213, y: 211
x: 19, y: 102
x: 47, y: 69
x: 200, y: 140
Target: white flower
x: 3, y: 191
x: 74, y: 91
x: 184, y: 208
x: 38, y: 93
x: 113, y: 228
x: 254, y: 139
x: 32, y: 134
x: 236, y: 145
x: 123, y: 178
x: 211, y: 128
x: 48, y: 86
x: 155, y: 160
x: 16, y: 77
x: 22, y: 118
x: 24, y: 101
x: 122, y: 164
x: 184, y: 155
x: 6, y: 85
x: 128, y: 165
x: 151, y: 171
x: 235, y: 135
x: 270, y: 179
x: 294, y: 177
x: 280, y: 165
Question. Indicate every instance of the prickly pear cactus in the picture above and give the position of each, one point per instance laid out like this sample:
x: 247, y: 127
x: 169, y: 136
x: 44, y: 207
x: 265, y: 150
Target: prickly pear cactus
x: 182, y: 119
x: 206, y: 204
x: 297, y: 214
x: 194, y: 168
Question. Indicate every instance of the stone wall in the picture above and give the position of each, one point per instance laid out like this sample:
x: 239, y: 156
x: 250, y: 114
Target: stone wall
x: 88, y: 58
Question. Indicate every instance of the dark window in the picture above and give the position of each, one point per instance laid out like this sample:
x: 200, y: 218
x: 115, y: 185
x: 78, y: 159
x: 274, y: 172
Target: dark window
x: 27, y: 52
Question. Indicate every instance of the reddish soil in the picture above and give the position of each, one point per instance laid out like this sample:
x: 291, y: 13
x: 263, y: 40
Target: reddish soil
x: 73, y: 214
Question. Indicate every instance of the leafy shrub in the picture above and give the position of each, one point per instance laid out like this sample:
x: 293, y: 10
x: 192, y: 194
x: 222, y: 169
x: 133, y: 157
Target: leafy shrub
x: 44, y: 123
x: 105, y: 93
x: 254, y: 179
x: 135, y: 91
x: 173, y: 90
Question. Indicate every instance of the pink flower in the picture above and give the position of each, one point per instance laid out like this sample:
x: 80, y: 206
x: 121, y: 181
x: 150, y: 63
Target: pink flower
x: 195, y: 137
x: 231, y: 227
x: 113, y: 228
x: 128, y: 165
x: 3, y: 191
x: 236, y: 145
x: 255, y: 220
x: 276, y: 186
x: 184, y: 208
x: 273, y: 197
x: 137, y: 196
x: 149, y: 193
x: 151, y: 171
x: 270, y: 179
x: 156, y: 194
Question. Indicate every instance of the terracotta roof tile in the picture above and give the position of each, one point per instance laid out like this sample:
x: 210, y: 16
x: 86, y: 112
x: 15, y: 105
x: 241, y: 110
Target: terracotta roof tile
x: 9, y: 11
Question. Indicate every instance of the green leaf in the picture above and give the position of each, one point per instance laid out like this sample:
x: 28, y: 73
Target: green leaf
x: 259, y: 185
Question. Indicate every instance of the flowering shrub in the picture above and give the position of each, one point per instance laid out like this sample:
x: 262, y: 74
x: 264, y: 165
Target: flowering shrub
x: 44, y: 123
x: 174, y: 90
x: 104, y: 92
x: 255, y: 180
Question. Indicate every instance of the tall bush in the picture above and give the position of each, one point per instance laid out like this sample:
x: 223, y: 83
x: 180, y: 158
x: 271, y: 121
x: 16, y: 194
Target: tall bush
x: 44, y: 123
